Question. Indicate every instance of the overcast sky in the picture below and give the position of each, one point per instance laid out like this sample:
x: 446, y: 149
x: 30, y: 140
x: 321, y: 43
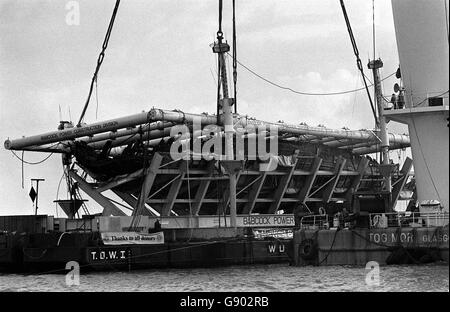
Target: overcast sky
x: 159, y: 56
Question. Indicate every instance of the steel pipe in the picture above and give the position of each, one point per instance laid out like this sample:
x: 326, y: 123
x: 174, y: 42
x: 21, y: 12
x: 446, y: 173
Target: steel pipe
x: 76, y: 132
x: 159, y: 117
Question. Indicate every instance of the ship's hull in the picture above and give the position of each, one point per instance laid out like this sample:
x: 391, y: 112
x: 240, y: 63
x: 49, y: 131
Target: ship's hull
x: 45, y: 256
x: 406, y: 245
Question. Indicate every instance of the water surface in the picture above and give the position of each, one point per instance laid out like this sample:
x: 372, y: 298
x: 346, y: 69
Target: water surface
x: 255, y: 278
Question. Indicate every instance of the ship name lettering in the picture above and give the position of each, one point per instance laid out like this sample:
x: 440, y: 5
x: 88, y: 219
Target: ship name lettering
x: 256, y: 220
x: 49, y: 137
x: 283, y: 220
x: 435, y: 238
x: 394, y: 238
x: 272, y: 248
x: 110, y: 124
x: 108, y: 255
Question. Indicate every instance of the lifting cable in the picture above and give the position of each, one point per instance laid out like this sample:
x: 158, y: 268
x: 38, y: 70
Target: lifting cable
x: 358, y: 60
x: 31, y: 163
x: 302, y: 92
x: 99, y: 60
x: 446, y: 20
x: 234, y: 57
x: 373, y: 28
x: 219, y: 69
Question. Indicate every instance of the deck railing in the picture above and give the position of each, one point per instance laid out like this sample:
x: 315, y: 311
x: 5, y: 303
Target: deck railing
x: 379, y: 220
x: 315, y: 222
x: 408, y: 219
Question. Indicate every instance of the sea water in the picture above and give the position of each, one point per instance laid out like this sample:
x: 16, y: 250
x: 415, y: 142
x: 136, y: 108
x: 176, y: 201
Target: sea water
x: 251, y: 278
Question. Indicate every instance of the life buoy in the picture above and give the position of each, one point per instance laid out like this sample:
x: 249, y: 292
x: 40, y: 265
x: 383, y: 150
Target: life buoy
x: 307, y: 249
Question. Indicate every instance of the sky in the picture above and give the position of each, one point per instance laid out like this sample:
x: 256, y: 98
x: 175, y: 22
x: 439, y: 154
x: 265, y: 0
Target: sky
x: 159, y: 55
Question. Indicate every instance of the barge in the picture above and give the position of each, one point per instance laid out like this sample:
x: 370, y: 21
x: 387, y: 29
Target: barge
x: 219, y: 189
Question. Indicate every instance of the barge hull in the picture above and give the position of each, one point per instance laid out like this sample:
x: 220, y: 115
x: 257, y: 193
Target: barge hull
x: 360, y: 246
x: 168, y: 255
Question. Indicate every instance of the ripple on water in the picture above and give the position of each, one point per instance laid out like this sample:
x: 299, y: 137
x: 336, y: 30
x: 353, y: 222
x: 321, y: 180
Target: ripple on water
x: 242, y: 278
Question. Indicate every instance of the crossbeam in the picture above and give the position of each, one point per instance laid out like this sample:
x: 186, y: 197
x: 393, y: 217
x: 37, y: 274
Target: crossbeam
x: 284, y: 182
x: 398, y: 187
x: 328, y: 192
x: 254, y: 193
x: 132, y: 201
x: 362, y: 166
x: 108, y: 207
x: 150, y: 175
x: 122, y: 180
x: 173, y: 191
x: 202, y: 189
x: 309, y: 181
